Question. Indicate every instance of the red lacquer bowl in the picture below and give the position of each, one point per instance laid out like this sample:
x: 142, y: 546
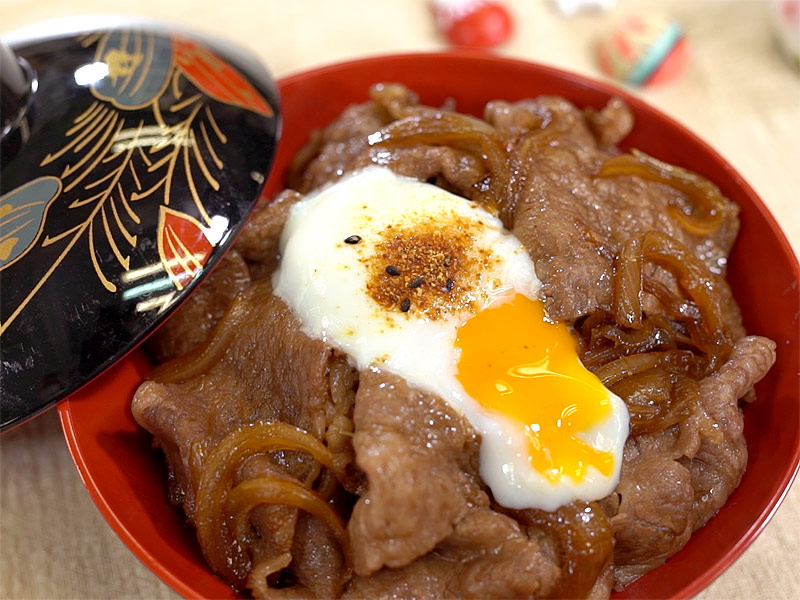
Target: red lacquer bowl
x: 128, y: 481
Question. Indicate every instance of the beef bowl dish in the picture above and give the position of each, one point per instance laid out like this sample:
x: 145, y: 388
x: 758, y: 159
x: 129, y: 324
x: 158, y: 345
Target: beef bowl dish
x: 493, y: 331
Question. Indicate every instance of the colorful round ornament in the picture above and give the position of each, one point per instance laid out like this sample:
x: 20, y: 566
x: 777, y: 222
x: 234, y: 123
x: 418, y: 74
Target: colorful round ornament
x: 644, y: 49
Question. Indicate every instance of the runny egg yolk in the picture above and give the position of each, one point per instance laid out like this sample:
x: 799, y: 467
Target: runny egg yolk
x: 386, y: 269
x: 515, y: 362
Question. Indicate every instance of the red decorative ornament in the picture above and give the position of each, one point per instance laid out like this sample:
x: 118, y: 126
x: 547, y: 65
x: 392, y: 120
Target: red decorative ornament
x: 472, y: 23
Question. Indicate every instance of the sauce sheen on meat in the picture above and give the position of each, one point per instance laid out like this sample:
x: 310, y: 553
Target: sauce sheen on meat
x: 309, y: 477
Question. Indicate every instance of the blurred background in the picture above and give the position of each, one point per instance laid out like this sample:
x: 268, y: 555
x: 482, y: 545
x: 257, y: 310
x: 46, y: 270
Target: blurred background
x: 735, y: 83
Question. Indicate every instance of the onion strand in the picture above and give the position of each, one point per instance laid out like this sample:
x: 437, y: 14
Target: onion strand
x: 456, y: 131
x: 271, y: 490
x: 706, y: 200
x: 223, y: 551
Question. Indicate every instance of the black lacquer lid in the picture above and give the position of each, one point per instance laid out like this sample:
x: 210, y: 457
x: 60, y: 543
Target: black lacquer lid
x: 131, y: 156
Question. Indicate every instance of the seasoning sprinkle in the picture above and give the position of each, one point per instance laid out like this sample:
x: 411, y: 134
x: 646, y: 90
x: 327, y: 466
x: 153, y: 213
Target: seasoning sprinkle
x: 416, y: 283
x: 449, y: 284
x: 448, y: 261
x: 405, y: 305
x: 352, y: 239
x: 392, y: 270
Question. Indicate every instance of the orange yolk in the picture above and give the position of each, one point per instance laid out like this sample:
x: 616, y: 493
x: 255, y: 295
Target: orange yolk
x: 515, y: 362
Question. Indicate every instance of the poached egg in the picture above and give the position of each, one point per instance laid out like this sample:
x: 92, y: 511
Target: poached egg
x: 406, y: 277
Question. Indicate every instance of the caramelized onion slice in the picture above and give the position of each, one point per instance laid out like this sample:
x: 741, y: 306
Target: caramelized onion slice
x: 223, y: 552
x: 628, y: 284
x: 699, y: 283
x: 608, y: 341
x: 675, y: 305
x: 458, y: 131
x: 584, y: 543
x: 626, y: 366
x: 206, y: 355
x: 657, y: 398
x: 700, y: 310
x: 708, y: 203
x: 271, y: 490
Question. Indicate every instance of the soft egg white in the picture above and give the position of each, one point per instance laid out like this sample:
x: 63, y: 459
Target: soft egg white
x: 326, y: 282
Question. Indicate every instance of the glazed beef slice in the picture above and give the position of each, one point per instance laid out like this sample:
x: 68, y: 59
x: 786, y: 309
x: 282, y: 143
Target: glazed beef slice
x: 672, y: 482
x: 344, y: 147
x: 269, y: 370
x: 574, y: 223
x: 424, y: 527
x: 412, y: 448
x: 255, y: 256
x: 193, y: 322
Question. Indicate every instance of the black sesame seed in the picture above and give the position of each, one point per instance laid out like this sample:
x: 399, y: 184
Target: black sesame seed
x: 352, y: 239
x: 416, y: 283
x: 449, y: 285
x: 392, y: 270
x: 405, y: 305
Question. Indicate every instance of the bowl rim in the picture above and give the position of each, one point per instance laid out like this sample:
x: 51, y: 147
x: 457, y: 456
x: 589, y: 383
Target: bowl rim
x: 724, y: 561
x: 128, y: 537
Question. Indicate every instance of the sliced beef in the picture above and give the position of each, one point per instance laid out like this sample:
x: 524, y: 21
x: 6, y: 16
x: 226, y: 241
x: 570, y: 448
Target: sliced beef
x: 690, y: 470
x: 718, y: 465
x: 259, y: 242
x: 254, y: 256
x: 493, y: 555
x: 412, y: 447
x: 573, y: 223
x: 333, y: 150
x: 193, y: 321
x: 344, y: 381
x: 487, y: 554
x: 318, y: 564
x: 516, y: 569
x: 343, y: 147
x: 654, y: 520
x: 611, y: 124
x: 405, y: 465
x: 425, y: 526
x: 270, y: 371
